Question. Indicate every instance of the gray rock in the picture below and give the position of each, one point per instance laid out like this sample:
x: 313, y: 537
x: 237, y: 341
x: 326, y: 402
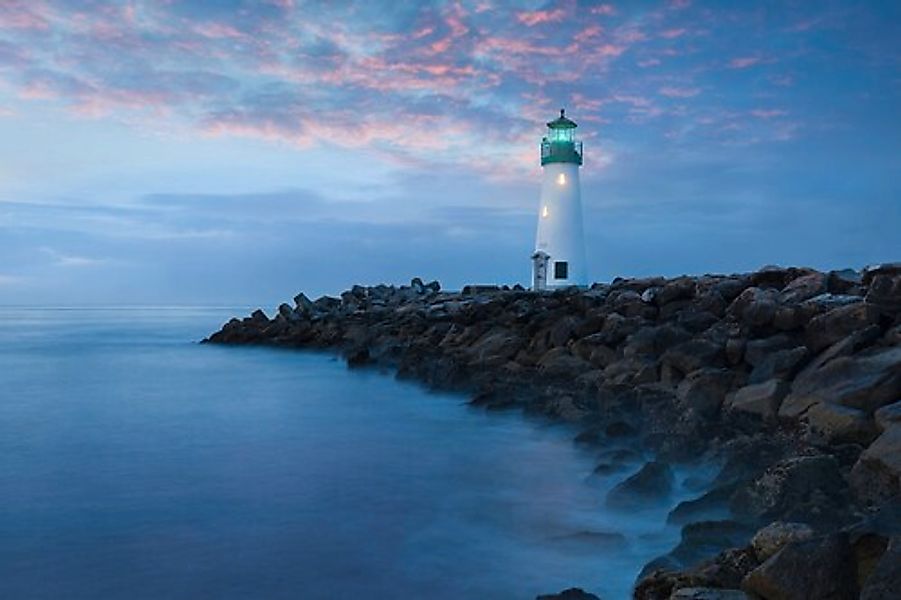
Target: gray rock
x: 777, y: 534
x: 302, y: 304
x: 757, y: 351
x: 705, y: 389
x: 866, y: 381
x: 830, y: 327
x: 816, y: 569
x: 888, y: 415
x: 808, y: 489
x: 803, y: 288
x: 885, y: 293
x: 876, y: 476
x: 653, y: 482
x: 694, y: 354
x: 884, y: 583
x: 759, y: 399
x: 834, y: 424
x: 782, y: 364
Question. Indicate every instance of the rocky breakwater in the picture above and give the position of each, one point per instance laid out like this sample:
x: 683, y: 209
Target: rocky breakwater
x: 788, y: 379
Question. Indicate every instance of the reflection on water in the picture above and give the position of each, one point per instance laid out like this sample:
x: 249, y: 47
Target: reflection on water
x: 137, y: 464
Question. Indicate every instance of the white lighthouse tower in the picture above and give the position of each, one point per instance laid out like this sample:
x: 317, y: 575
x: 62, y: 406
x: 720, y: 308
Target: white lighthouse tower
x: 559, y: 258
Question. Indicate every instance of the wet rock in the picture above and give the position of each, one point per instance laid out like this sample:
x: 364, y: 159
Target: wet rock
x: 682, y: 288
x: 842, y: 281
x: 258, y: 316
x: 781, y: 364
x: 815, y: 569
x: 761, y: 400
x: 876, y: 476
x: 302, y: 304
x: 885, y: 293
x: 807, y: 489
x: 705, y: 389
x: 873, y: 271
x: 834, y: 424
x: 711, y: 504
x: 570, y: 594
x: 769, y: 540
x: 803, y: 288
x: 884, y: 583
x: 830, y: 327
x: 866, y: 381
x: 888, y: 415
x: 692, y: 355
x: 705, y: 538
x: 755, y: 307
x: 653, y: 482
x: 758, y: 350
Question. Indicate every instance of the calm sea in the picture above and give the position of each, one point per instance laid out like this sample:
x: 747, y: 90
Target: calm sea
x: 136, y: 463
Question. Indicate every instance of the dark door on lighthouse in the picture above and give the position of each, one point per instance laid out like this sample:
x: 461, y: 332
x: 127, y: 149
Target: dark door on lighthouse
x: 539, y: 270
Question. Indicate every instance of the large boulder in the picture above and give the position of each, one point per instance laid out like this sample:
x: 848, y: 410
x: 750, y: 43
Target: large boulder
x: 694, y: 354
x: 876, y: 476
x: 755, y: 307
x: 830, y: 327
x: 808, y: 489
x: 888, y: 415
x: 653, y: 482
x: 777, y: 534
x: 760, y: 399
x: 884, y: 583
x: 885, y: 293
x: 865, y: 381
x: 834, y: 423
x: 802, y: 288
x: 705, y: 389
x: 815, y: 569
x: 781, y: 364
x: 756, y: 351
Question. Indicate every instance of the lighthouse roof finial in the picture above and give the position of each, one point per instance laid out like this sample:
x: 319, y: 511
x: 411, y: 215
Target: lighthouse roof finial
x: 562, y: 122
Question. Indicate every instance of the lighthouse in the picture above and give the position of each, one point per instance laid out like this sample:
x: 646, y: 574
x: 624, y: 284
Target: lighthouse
x: 559, y: 257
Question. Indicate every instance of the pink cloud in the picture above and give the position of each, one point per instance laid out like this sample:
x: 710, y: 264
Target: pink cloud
x: 771, y: 113
x: 679, y: 4
x: 15, y: 14
x: 650, y: 62
x: 536, y: 17
x: 588, y: 33
x: 603, y: 9
x: 743, y: 62
x: 679, y: 92
x: 673, y: 33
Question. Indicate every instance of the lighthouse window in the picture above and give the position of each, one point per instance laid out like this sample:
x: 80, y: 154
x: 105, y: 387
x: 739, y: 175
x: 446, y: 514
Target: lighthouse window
x: 561, y: 179
x: 561, y: 269
x: 544, y: 211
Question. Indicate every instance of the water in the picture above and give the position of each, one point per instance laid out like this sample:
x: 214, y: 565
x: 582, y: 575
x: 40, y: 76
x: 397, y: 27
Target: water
x: 135, y: 463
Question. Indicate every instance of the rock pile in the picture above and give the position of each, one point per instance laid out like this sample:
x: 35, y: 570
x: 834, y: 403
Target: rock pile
x: 790, y: 377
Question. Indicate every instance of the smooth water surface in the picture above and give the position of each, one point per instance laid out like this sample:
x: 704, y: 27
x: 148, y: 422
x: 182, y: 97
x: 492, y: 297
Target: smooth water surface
x: 136, y: 463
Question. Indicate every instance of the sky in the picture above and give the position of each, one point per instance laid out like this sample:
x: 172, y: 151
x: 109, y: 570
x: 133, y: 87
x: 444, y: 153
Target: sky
x: 236, y: 152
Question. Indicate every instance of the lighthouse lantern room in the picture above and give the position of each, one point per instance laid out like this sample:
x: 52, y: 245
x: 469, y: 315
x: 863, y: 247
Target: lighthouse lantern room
x: 559, y: 257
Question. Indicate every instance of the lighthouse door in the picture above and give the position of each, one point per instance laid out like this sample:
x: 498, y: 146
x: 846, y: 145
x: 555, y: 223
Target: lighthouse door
x: 539, y: 270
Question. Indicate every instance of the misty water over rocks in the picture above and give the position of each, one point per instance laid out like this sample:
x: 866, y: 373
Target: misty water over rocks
x: 136, y: 464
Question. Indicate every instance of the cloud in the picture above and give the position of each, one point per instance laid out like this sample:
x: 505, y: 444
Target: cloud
x: 679, y: 92
x: 537, y: 17
x: 743, y: 62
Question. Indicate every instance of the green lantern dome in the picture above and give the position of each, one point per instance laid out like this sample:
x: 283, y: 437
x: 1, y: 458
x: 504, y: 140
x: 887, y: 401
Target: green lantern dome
x: 562, y: 122
x: 560, y: 145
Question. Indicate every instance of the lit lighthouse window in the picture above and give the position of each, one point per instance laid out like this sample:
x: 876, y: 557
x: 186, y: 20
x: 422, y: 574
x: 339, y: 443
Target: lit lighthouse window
x: 544, y: 211
x: 561, y: 179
